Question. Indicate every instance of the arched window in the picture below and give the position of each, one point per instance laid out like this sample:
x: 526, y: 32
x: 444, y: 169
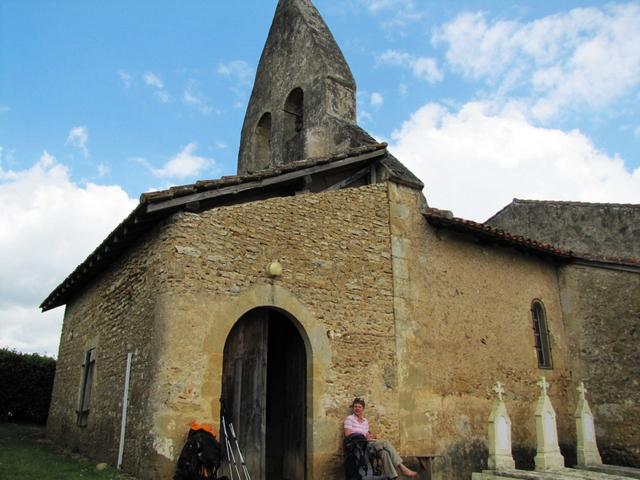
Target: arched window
x: 293, y: 123
x: 262, y: 143
x: 541, y: 335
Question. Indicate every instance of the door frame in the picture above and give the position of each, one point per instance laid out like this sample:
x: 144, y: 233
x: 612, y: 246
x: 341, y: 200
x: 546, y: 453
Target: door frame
x: 225, y: 312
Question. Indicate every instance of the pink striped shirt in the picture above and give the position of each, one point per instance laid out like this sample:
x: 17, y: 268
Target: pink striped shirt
x: 356, y: 426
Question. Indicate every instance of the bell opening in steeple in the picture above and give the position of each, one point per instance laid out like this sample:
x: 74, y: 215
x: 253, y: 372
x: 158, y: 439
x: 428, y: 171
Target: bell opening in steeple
x: 304, y: 82
x: 262, y: 143
x: 293, y: 125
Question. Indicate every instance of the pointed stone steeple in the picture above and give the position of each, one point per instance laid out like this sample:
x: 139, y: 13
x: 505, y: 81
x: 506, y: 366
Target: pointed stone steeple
x: 303, y: 95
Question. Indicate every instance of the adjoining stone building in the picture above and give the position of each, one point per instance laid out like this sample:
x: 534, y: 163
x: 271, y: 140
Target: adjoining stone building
x: 601, y: 305
x: 319, y: 273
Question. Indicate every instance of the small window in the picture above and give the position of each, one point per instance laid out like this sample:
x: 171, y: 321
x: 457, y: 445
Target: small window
x: 541, y: 335
x: 88, y: 368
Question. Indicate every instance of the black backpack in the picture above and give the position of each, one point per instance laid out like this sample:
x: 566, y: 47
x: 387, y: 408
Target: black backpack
x: 200, y: 458
x: 358, y: 459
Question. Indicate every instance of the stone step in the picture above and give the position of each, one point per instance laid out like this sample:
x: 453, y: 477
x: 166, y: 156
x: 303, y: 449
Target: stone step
x: 627, y: 472
x: 614, y: 473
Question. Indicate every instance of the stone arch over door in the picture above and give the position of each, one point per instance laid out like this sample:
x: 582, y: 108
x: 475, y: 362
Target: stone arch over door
x: 225, y: 314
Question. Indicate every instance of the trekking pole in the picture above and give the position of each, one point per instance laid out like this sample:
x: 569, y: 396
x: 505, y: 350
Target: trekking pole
x: 244, y: 465
x: 227, y: 443
x: 230, y: 450
x: 227, y: 448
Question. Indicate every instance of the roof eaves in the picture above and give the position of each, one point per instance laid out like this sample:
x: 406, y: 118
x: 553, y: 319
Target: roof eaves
x: 142, y: 218
x: 111, y: 246
x: 627, y: 263
x: 444, y: 218
x: 572, y: 203
x: 291, y: 172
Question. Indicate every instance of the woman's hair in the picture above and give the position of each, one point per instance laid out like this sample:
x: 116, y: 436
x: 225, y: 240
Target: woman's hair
x: 359, y: 401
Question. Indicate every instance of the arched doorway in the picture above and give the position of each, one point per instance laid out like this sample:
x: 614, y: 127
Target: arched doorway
x: 264, y: 388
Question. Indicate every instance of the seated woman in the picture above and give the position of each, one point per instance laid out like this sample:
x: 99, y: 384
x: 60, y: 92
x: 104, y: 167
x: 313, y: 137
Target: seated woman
x: 356, y: 423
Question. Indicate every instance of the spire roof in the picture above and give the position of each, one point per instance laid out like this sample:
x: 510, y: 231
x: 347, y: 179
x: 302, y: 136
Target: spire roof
x: 323, y: 46
x: 304, y: 92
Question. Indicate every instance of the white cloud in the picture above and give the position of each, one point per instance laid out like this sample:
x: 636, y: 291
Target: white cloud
x: 585, y: 58
x: 103, y: 170
x: 374, y: 6
x: 238, y: 69
x: 5, y: 174
x: 4, y: 109
x: 184, y: 164
x: 403, y: 12
x: 424, y: 68
x: 193, y: 98
x: 427, y: 69
x: 163, y: 96
x: 155, y: 82
x: 125, y: 78
x: 364, y: 116
x: 48, y: 225
x: 377, y: 100
x: 636, y: 132
x: 475, y: 160
x: 79, y: 137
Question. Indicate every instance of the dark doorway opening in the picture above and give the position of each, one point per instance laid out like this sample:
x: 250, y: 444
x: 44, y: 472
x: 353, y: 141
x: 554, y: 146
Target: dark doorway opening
x: 264, y: 389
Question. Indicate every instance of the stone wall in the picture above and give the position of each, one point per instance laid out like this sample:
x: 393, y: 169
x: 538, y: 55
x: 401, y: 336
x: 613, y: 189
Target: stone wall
x: 336, y: 284
x: 115, y: 315
x: 601, y: 229
x: 602, y: 314
x: 464, y: 322
x: 420, y: 321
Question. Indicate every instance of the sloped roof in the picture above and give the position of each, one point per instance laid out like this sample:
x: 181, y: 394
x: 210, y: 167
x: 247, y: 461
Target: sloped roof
x: 488, y: 233
x: 601, y: 229
x: 208, y: 194
x: 561, y: 203
x: 397, y: 172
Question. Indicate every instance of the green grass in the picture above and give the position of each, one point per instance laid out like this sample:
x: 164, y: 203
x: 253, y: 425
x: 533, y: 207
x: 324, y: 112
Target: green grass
x: 26, y: 455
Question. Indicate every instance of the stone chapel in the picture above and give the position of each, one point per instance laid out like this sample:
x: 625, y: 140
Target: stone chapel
x: 319, y: 273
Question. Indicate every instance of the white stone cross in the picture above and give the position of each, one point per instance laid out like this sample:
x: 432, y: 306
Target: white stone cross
x: 499, y: 389
x: 543, y: 384
x: 581, y: 389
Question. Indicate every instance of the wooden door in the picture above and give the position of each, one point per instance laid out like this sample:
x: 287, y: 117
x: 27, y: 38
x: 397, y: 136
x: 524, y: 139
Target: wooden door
x: 244, y: 387
x: 264, y: 391
x: 286, y: 401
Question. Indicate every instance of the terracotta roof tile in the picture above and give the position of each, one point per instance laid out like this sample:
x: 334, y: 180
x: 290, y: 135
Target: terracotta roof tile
x: 226, y: 181
x: 445, y: 218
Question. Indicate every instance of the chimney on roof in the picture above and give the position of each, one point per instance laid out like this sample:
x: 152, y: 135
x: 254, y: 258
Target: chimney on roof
x: 304, y: 94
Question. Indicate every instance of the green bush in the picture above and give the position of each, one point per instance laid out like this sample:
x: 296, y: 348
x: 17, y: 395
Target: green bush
x: 26, y: 382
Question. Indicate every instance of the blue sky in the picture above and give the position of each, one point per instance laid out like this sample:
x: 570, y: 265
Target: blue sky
x: 485, y: 101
